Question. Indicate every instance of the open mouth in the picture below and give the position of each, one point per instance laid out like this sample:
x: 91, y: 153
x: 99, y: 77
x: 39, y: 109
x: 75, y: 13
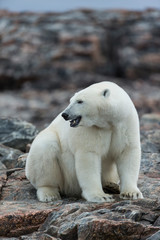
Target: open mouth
x: 74, y: 122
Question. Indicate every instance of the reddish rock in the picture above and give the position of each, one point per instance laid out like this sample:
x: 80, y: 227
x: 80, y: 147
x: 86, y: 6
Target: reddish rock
x: 108, y: 229
x: 17, y: 188
x: 17, y: 218
x: 99, y: 221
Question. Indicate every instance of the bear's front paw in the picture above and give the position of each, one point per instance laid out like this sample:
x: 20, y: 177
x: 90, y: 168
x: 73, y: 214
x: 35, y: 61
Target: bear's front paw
x: 131, y: 195
x: 100, y: 197
x: 48, y: 194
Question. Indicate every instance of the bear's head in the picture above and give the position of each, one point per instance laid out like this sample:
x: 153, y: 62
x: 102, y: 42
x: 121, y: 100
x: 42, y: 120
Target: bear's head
x: 99, y: 105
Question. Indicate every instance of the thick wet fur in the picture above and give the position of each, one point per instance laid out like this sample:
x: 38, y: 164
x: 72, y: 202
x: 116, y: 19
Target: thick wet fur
x: 95, y: 140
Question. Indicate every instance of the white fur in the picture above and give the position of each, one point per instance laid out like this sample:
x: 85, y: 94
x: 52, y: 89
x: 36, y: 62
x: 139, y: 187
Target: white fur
x: 105, y: 147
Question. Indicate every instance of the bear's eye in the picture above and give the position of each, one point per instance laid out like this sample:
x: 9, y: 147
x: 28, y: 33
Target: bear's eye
x: 79, y: 101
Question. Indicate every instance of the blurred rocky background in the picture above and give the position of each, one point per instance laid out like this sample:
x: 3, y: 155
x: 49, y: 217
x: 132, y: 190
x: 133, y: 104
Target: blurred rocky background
x: 44, y: 58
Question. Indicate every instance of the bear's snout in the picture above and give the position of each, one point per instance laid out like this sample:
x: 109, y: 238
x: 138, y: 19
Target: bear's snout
x: 74, y: 120
x: 65, y: 116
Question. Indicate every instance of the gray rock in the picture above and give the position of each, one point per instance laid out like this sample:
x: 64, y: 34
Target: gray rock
x: 16, y: 133
x: 150, y: 121
x: 155, y: 236
x: 150, y: 133
x: 21, y: 161
x: 9, y: 156
x: 150, y: 163
x: 150, y: 141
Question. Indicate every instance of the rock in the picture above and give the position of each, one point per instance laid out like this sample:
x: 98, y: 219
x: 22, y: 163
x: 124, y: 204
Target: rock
x: 150, y: 163
x: 3, y: 177
x: 17, y: 188
x: 17, y: 218
x: 157, y: 222
x: 9, y: 156
x: 150, y: 121
x: 21, y: 161
x: 149, y: 175
x: 155, y: 236
x: 150, y: 141
x: 79, y: 220
x: 98, y: 221
x: 150, y: 135
x: 16, y: 133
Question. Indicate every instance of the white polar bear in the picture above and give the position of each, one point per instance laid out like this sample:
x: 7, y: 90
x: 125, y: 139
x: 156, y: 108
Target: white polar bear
x: 100, y: 144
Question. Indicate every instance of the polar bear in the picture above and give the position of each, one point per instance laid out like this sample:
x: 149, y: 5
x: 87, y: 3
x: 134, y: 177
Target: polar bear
x: 95, y: 140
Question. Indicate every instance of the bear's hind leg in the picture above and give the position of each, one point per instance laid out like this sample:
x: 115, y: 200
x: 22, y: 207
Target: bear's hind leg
x: 109, y: 172
x: 42, y: 167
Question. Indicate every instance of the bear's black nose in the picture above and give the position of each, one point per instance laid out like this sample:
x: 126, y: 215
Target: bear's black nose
x: 65, y: 116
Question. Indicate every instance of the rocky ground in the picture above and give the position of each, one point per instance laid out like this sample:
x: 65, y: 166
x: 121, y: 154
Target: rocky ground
x: 44, y: 59
x: 23, y: 217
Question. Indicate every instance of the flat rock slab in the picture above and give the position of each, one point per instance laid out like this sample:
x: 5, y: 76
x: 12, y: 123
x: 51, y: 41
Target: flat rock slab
x: 18, y: 218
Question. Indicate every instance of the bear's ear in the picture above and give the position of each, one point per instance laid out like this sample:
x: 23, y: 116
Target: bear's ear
x: 106, y: 92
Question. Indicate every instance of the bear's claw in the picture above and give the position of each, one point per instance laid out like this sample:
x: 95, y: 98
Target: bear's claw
x: 131, y: 195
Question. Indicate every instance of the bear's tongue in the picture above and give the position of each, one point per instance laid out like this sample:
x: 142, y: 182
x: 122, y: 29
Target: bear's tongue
x: 75, y: 122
